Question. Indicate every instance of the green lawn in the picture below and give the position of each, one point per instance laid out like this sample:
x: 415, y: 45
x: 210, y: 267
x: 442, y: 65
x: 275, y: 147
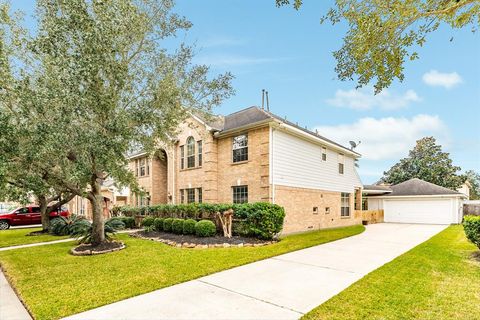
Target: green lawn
x: 15, y: 237
x: 54, y: 283
x: 436, y: 280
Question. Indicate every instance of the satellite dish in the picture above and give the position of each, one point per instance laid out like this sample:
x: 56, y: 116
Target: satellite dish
x: 354, y: 144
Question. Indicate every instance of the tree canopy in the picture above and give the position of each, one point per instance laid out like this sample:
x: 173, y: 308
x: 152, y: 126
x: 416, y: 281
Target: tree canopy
x: 95, y: 82
x: 474, y: 179
x: 428, y: 162
x: 382, y: 34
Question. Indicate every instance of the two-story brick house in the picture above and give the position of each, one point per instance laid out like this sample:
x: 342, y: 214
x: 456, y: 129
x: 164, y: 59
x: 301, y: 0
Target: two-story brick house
x: 249, y: 156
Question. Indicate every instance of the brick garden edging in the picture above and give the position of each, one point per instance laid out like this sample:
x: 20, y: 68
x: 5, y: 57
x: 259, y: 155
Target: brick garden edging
x: 202, y: 246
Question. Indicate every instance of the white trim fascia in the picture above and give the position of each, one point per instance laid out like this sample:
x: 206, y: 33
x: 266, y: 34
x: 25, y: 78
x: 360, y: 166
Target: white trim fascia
x: 420, y: 196
x: 309, y: 137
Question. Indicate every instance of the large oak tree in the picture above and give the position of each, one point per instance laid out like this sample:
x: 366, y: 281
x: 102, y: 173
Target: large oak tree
x: 383, y: 34
x: 107, y: 84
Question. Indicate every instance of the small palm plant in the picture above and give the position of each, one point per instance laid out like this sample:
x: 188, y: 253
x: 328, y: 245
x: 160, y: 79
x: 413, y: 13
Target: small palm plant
x: 64, y: 226
x: 84, y: 232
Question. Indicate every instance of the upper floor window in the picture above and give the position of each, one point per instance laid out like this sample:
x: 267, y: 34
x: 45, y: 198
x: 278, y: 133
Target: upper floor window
x: 182, y: 157
x: 142, y: 167
x: 240, y: 148
x: 345, y: 204
x: 240, y: 194
x: 341, y: 163
x: 200, y: 151
x: 190, y: 152
x: 324, y: 154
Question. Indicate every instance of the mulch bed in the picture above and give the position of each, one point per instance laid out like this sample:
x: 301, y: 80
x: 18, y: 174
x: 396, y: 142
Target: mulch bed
x: 37, y: 233
x: 190, y: 241
x: 88, y: 249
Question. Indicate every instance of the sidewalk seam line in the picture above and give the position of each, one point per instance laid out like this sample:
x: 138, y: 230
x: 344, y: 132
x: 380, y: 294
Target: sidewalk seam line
x: 248, y: 296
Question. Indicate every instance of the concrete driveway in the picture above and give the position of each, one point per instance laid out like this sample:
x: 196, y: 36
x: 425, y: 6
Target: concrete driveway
x: 283, y: 287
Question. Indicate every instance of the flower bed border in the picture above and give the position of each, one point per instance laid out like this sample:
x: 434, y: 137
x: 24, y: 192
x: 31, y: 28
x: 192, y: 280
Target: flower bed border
x: 188, y: 245
x: 74, y: 252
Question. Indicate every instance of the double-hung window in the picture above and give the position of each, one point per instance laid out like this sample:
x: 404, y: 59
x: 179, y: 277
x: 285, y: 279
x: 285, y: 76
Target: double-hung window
x: 190, y: 152
x: 345, y: 204
x: 142, y: 167
x: 182, y: 157
x: 324, y: 154
x: 190, y: 195
x: 341, y: 163
x: 199, y: 195
x: 240, y: 148
x: 240, y: 194
x: 200, y: 151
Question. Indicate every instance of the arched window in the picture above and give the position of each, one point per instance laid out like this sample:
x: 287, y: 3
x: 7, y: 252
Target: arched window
x: 190, y: 152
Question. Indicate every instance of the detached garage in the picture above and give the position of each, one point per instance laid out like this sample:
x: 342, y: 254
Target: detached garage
x: 416, y: 201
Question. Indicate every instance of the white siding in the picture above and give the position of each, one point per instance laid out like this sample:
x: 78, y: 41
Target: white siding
x: 298, y: 163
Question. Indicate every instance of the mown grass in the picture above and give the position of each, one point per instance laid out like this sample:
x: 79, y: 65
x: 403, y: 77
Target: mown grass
x: 15, y: 237
x: 438, y: 279
x: 55, y: 284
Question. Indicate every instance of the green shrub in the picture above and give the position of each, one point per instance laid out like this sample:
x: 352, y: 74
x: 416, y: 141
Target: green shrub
x: 158, y: 224
x: 471, y: 225
x: 177, y: 226
x: 167, y: 224
x: 64, y: 226
x: 128, y: 221
x: 262, y: 220
x: 148, y: 221
x: 189, y: 226
x: 205, y: 228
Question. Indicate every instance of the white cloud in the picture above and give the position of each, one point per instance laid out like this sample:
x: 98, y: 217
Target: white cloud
x: 446, y: 80
x: 386, y: 138
x: 365, y: 99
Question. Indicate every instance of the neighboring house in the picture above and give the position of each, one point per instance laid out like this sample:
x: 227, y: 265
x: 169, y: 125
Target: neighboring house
x: 249, y: 156
x: 465, y: 189
x: 112, y: 196
x: 416, y: 201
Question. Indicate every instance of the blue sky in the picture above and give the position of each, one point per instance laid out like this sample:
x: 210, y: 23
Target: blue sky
x: 289, y: 53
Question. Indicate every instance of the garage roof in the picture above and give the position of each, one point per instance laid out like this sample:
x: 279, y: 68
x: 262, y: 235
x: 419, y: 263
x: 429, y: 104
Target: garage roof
x: 417, y: 187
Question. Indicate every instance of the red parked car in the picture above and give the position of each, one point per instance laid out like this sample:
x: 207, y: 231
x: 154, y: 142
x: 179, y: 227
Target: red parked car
x: 27, y: 215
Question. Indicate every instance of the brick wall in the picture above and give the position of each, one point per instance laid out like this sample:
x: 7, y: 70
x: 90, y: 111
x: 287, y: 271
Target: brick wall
x: 254, y: 173
x: 299, y: 204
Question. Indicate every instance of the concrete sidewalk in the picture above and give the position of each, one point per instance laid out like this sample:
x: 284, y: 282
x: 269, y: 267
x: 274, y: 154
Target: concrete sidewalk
x: 283, y: 287
x: 10, y: 307
x: 21, y: 246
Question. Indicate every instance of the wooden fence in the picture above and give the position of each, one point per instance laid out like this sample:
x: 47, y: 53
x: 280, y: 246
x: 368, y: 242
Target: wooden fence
x: 370, y: 216
x: 471, y: 209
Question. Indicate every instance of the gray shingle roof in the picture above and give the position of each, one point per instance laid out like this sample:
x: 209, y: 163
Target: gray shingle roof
x: 418, y: 187
x: 376, y: 187
x: 254, y: 114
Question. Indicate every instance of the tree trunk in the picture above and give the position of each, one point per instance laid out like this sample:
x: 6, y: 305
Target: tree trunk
x: 44, y: 213
x: 98, y: 224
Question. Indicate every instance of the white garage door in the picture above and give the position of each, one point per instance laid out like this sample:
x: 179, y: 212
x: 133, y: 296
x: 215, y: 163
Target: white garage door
x: 431, y: 211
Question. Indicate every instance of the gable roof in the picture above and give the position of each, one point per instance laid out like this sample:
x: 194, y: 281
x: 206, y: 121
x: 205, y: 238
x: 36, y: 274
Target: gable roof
x: 413, y: 187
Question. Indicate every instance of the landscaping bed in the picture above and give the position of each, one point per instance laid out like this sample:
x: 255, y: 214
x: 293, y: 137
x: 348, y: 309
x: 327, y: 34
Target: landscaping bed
x: 191, y: 241
x: 105, y: 247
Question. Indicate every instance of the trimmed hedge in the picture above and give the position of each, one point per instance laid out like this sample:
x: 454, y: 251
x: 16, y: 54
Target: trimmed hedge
x: 167, y: 224
x: 148, y: 221
x: 205, y: 228
x: 189, y: 226
x: 177, y: 226
x: 129, y: 222
x: 158, y: 224
x: 261, y: 220
x: 471, y: 225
